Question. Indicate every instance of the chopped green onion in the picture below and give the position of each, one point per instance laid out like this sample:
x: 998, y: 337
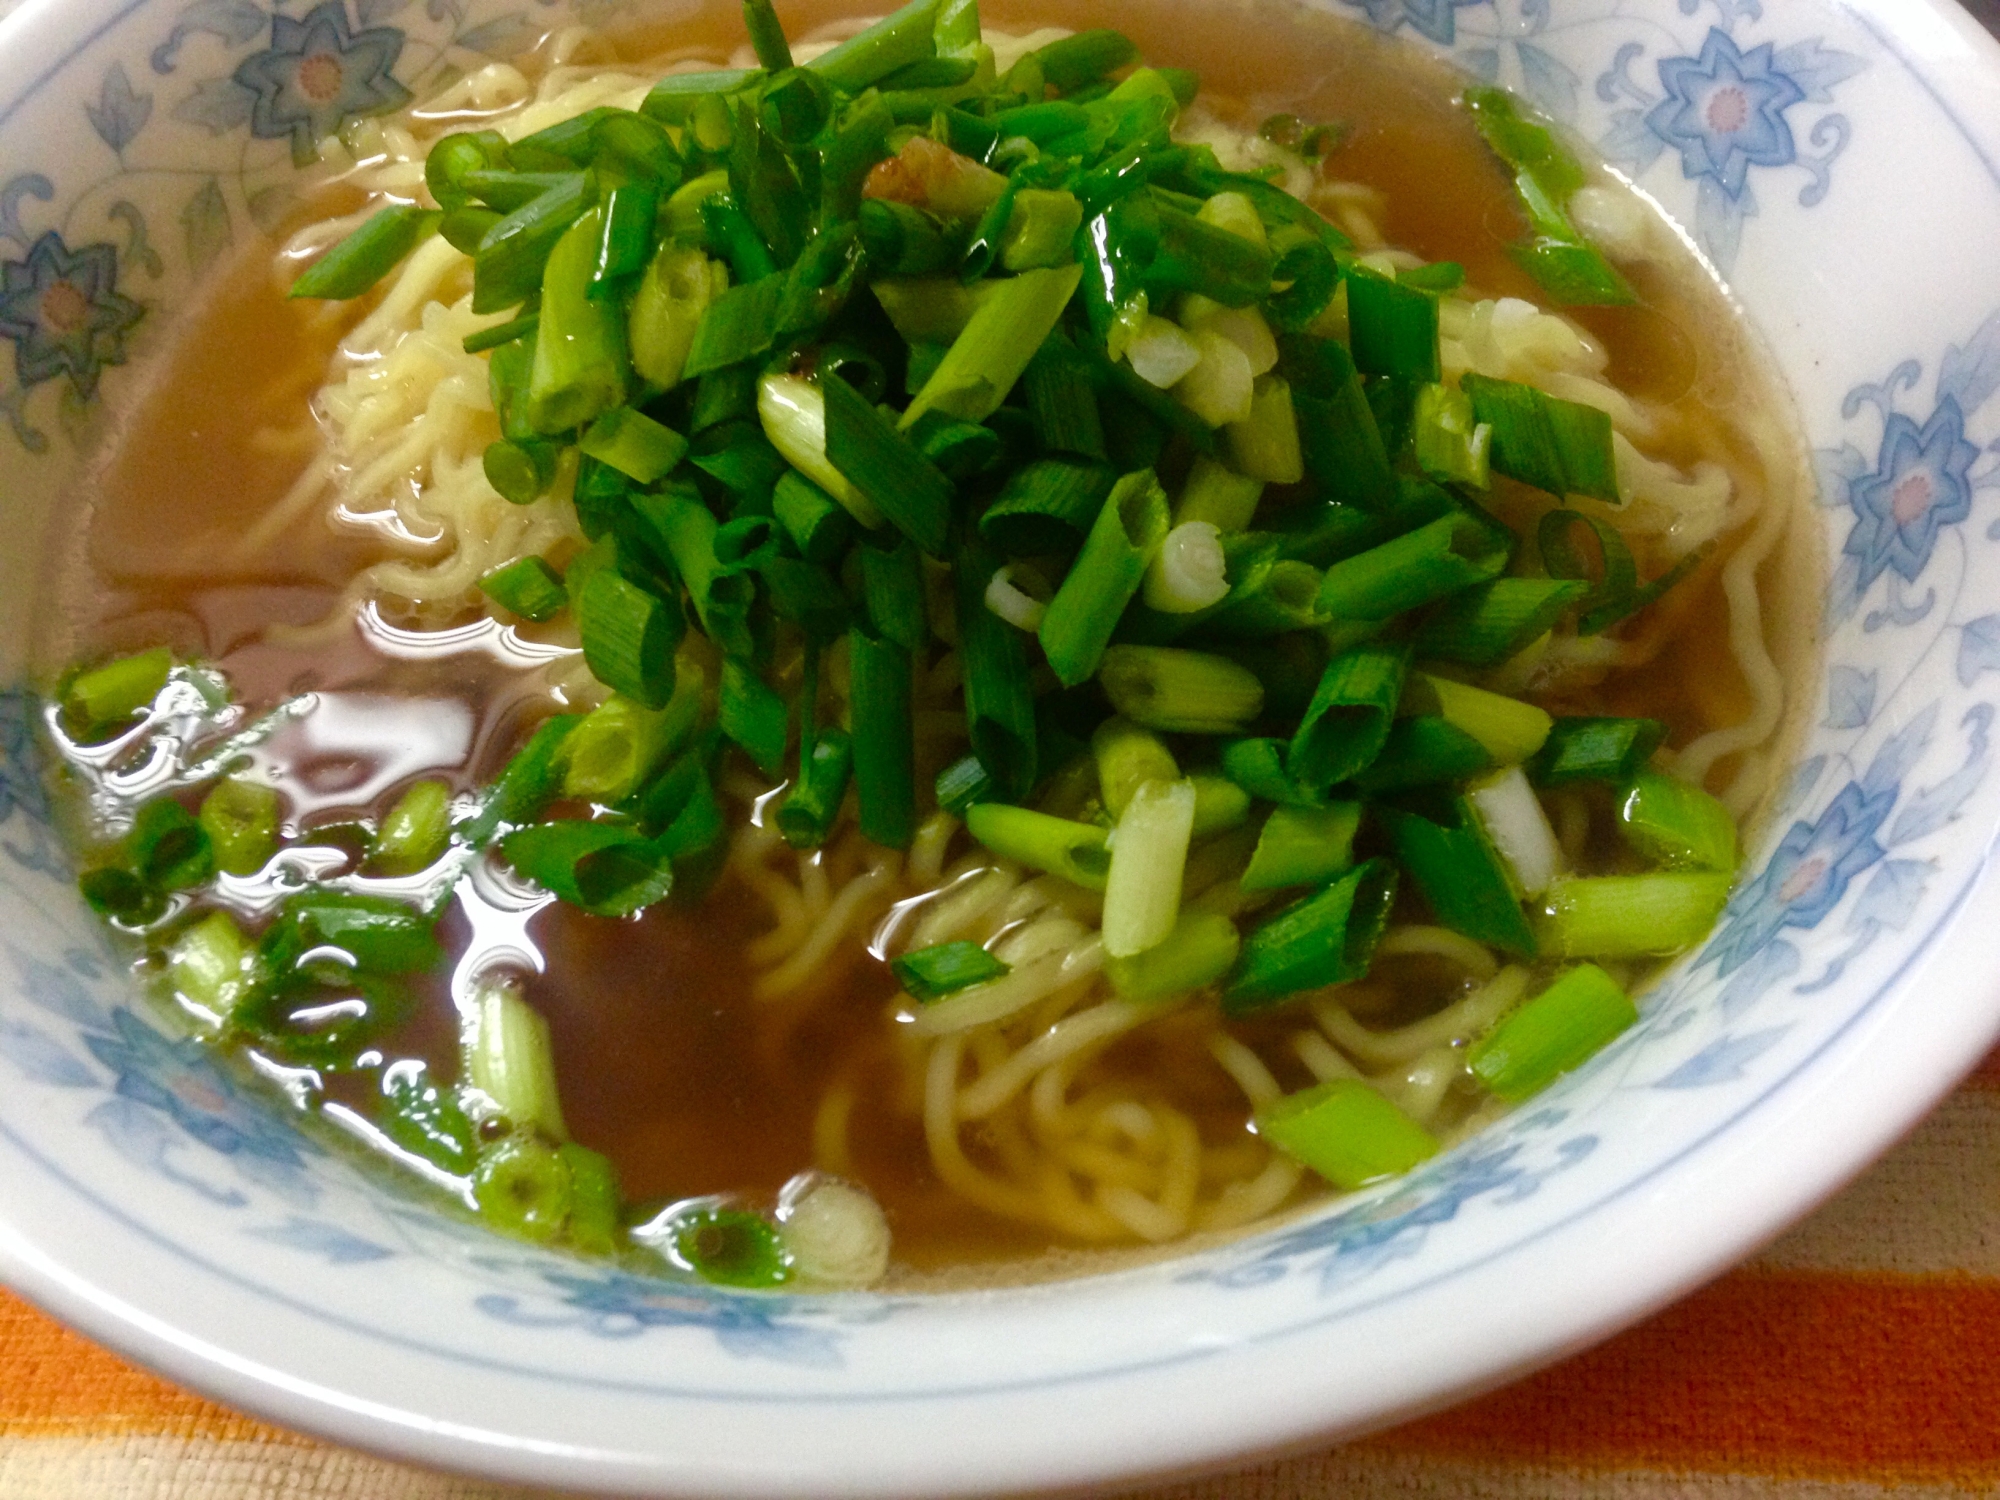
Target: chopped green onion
x: 1511, y: 731
x: 806, y: 815
x: 634, y: 444
x: 1046, y: 507
x: 1515, y: 824
x: 415, y: 831
x: 1417, y: 569
x: 1484, y: 625
x: 1108, y: 572
x: 793, y: 412
x: 453, y: 156
x: 595, y: 1224
x: 522, y: 1187
x: 945, y: 968
x: 893, y: 582
x: 527, y: 587
x: 983, y: 248
x: 767, y: 35
x: 168, y: 848
x: 1392, y: 328
x: 1271, y: 596
x: 368, y: 254
x: 616, y: 746
x: 1142, y: 891
x: 753, y: 715
x: 903, y: 240
x: 1078, y: 852
x: 105, y: 697
x: 580, y: 355
x: 381, y: 936
x: 501, y: 333
x: 1083, y: 58
x: 882, y: 464
x: 1630, y: 916
x: 1303, y: 846
x: 722, y: 594
x: 1258, y: 767
x: 1190, y: 692
x: 999, y: 690
x: 115, y: 893
x: 1041, y: 229
x: 1347, y: 723
x: 1218, y: 495
x: 1547, y: 175
x: 1219, y: 805
x: 1555, y: 445
x: 526, y: 785
x: 1676, y: 824
x: 1265, y: 445
x: 667, y: 308
x: 1062, y: 398
x: 1449, y: 443
x: 673, y: 99
x: 962, y: 783
x: 240, y: 817
x: 629, y: 637
x: 607, y: 869
x: 1424, y: 750
x: 1201, y: 949
x: 1460, y: 873
x: 729, y: 1246
x: 427, y: 1120
x: 625, y: 241
x: 740, y: 324
x: 817, y: 524
x: 1347, y: 1132
x: 883, y: 732
x: 213, y: 967
x: 1559, y: 1030
x: 1327, y: 938
x: 1340, y: 444
x: 996, y: 345
x: 508, y: 265
x: 900, y: 38
x: 520, y: 471
x: 1127, y: 758
x: 1596, y: 749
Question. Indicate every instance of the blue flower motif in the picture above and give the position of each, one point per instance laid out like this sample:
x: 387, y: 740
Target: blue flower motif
x: 317, y: 75
x: 1808, y: 874
x: 64, y: 312
x: 1725, y: 111
x: 181, y: 1080
x: 620, y: 1306
x: 19, y: 786
x: 1919, y: 487
x: 1435, y: 19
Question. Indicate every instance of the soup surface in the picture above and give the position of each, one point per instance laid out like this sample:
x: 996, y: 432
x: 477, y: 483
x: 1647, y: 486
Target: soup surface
x: 714, y: 1049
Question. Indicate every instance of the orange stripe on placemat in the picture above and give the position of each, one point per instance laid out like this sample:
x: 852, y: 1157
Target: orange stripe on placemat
x: 54, y: 1382
x: 1801, y: 1374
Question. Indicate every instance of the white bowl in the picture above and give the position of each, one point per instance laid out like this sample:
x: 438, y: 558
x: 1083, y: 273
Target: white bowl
x: 154, y: 1200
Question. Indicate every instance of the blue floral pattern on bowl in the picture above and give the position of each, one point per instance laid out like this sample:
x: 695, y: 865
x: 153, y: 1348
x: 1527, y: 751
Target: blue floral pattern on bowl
x: 317, y: 75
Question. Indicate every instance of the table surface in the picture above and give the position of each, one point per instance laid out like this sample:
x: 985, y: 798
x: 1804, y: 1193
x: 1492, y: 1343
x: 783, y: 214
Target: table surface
x: 1859, y: 1356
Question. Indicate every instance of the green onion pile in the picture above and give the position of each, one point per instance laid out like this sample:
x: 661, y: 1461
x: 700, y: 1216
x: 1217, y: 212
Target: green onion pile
x: 849, y: 364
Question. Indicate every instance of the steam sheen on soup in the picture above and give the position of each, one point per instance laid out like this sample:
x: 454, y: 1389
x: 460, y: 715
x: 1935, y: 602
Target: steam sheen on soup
x: 907, y: 661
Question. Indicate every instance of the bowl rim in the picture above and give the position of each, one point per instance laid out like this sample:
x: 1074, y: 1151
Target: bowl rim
x: 1923, y: 1062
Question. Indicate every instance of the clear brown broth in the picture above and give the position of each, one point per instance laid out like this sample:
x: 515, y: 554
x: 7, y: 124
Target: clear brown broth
x: 664, y: 1060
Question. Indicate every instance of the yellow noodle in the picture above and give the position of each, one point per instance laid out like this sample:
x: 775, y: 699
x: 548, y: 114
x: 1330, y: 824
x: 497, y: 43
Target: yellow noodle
x: 1381, y: 1049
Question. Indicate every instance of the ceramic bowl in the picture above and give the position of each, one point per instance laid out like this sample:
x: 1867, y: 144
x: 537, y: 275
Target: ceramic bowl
x: 1837, y: 163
